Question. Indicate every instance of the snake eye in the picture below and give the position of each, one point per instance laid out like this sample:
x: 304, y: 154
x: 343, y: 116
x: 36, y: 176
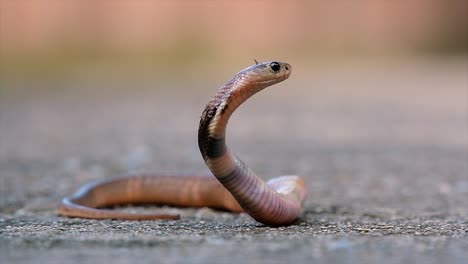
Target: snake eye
x: 275, y: 66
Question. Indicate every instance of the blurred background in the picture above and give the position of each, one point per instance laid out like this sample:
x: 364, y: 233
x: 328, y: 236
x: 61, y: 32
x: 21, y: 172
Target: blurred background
x: 92, y: 89
x: 54, y: 33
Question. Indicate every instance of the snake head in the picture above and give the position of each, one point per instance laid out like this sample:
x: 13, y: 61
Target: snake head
x: 266, y: 73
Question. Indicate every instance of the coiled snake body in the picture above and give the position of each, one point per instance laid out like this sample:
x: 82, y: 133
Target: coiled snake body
x: 235, y: 187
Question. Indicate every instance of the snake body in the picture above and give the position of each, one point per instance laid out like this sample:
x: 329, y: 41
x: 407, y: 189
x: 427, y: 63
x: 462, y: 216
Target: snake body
x: 234, y: 188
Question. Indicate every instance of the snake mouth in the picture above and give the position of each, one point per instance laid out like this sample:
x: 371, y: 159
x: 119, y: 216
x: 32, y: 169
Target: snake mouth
x: 267, y: 82
x: 278, y: 79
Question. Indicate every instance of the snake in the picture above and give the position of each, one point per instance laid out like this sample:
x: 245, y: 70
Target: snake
x: 234, y: 187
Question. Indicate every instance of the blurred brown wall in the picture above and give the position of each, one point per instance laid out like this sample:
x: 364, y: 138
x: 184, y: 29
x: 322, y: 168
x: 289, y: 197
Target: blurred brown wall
x: 365, y: 24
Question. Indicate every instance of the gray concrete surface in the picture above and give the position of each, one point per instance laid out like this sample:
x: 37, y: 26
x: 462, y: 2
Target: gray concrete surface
x: 383, y: 147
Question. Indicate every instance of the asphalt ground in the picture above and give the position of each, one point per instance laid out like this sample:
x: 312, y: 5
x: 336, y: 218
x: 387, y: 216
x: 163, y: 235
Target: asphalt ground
x: 383, y: 147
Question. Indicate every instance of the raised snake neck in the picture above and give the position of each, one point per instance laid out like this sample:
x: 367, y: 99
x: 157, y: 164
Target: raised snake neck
x: 235, y: 188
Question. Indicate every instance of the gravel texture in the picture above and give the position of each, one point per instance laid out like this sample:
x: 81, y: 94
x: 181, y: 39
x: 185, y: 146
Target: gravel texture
x: 383, y: 148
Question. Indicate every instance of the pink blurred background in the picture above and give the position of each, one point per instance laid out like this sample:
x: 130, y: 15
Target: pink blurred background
x: 227, y: 30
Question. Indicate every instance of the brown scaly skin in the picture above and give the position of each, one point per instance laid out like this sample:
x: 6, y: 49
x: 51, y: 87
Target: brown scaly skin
x: 236, y: 188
